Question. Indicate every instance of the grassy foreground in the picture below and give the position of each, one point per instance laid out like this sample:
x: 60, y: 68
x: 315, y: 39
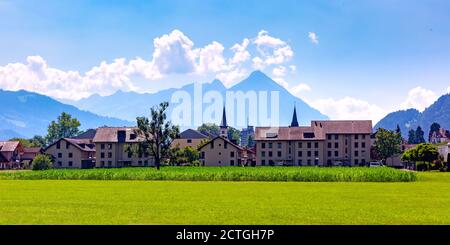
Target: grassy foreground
x: 172, y: 202
x: 303, y: 174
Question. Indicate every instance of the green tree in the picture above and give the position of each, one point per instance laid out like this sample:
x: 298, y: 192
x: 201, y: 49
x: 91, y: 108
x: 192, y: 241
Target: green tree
x: 158, y: 133
x: 38, y: 141
x: 423, y: 155
x: 435, y: 127
x: 191, y: 154
x: 234, y: 135
x: 387, y: 143
x: 398, y: 130
x: 412, y: 136
x: 420, y: 135
x: 64, y: 127
x: 42, y: 162
x: 209, y: 129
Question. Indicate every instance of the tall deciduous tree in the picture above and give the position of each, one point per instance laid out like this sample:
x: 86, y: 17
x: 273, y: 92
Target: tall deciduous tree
x: 64, y: 127
x: 158, y: 133
x: 420, y: 135
x: 209, y: 129
x: 388, y: 143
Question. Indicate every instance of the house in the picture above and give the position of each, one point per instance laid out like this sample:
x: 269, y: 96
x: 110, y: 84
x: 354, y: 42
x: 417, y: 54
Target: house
x: 441, y: 136
x: 220, y: 151
x: 10, y: 154
x: 72, y: 153
x: 29, y: 153
x: 444, y: 151
x: 323, y: 143
x: 113, y: 144
x: 190, y: 137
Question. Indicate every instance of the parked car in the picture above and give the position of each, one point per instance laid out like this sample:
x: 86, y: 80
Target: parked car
x: 375, y: 164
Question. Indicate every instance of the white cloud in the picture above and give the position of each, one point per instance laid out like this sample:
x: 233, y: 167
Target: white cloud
x: 281, y: 81
x: 173, y: 53
x: 313, y: 37
x: 419, y: 98
x: 279, y: 71
x: 293, y: 68
x: 349, y: 108
x: 298, y: 89
x: 272, y: 51
x: 448, y: 90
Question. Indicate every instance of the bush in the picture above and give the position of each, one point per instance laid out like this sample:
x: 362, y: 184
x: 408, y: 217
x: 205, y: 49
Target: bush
x: 42, y: 162
x: 422, y: 166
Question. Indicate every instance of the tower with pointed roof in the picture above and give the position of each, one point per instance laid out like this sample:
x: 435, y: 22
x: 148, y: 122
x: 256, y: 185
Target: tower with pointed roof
x: 294, y: 122
x: 224, y: 125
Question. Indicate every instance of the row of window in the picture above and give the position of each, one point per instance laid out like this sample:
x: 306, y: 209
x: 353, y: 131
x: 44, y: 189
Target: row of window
x: 336, y: 136
x: 202, y: 154
x: 69, y: 155
x: 59, y: 163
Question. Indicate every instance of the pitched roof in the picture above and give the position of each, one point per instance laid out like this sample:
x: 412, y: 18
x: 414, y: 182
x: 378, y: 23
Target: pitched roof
x: 112, y: 134
x: 32, y: 149
x: 88, y: 134
x: 8, y: 146
x: 192, y: 134
x: 224, y: 139
x: 82, y: 144
x: 317, y: 131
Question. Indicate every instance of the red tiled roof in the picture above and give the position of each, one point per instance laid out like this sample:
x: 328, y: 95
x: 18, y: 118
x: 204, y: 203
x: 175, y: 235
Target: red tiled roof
x: 32, y: 149
x: 110, y: 134
x: 8, y: 146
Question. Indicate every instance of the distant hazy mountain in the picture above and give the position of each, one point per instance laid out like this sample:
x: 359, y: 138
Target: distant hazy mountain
x: 438, y: 112
x: 26, y: 114
x: 129, y: 105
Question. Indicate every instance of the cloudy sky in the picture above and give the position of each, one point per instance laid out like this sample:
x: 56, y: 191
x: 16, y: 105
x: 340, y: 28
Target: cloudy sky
x: 349, y: 59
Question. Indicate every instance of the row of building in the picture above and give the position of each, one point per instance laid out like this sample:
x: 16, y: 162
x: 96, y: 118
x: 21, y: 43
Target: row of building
x: 323, y: 143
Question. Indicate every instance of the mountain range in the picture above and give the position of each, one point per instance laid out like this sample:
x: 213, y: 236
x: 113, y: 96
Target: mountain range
x: 25, y: 114
x: 129, y: 105
x: 438, y: 112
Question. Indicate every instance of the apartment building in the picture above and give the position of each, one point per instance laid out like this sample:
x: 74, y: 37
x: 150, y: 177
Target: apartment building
x: 112, y: 146
x: 323, y: 143
x: 72, y: 153
x: 190, y: 137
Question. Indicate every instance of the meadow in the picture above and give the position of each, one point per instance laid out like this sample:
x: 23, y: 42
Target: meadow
x: 285, y: 174
x: 425, y: 201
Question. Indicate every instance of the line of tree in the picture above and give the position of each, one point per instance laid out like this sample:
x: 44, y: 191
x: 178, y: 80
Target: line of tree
x: 416, y: 136
x: 213, y: 130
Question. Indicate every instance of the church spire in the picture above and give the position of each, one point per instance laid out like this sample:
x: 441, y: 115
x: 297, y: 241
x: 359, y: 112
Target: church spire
x: 294, y: 122
x: 223, y: 125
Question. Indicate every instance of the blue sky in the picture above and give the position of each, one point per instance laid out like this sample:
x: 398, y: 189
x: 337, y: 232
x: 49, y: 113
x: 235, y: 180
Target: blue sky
x: 369, y: 58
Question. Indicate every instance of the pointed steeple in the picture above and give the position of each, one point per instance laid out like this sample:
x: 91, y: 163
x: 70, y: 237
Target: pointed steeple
x: 294, y: 122
x: 223, y: 124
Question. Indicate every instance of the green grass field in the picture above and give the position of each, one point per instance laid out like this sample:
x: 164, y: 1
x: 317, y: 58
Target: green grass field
x: 426, y: 201
x: 303, y: 174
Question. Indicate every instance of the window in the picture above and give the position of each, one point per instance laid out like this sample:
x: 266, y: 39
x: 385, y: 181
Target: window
x: 60, y: 155
x: 316, y: 145
x: 300, y: 162
x: 70, y: 155
x: 279, y: 145
x: 309, y: 162
x: 300, y: 154
x: 67, y: 145
x: 189, y: 141
x: 232, y: 162
x: 356, y: 162
x: 139, y: 162
x: 102, y: 164
x: 58, y: 146
x: 336, y: 153
x: 356, y: 144
x: 309, y: 145
x: 279, y: 153
x: 70, y: 164
x: 316, y: 153
x: 329, y: 153
x: 263, y: 154
x: 232, y: 154
x: 363, y: 136
x: 329, y: 137
x: 270, y: 154
x: 356, y: 153
x: 309, y: 153
x: 270, y: 145
x: 203, y: 155
x: 363, y: 144
x: 59, y: 164
x: 329, y: 144
x: 110, y: 146
x: 300, y: 144
x: 212, y: 144
x: 109, y: 154
x: 263, y: 145
x: 336, y: 137
x: 225, y: 145
x: 336, y: 145
x: 102, y: 146
x: 316, y: 162
x: 102, y: 155
x: 356, y: 136
x: 363, y: 161
x: 263, y: 162
x: 130, y: 154
x: 109, y: 163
